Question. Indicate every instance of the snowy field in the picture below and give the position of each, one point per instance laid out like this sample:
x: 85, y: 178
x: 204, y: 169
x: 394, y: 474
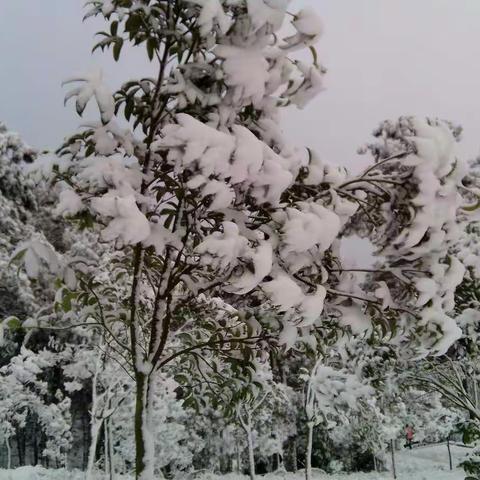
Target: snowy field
x: 423, y: 463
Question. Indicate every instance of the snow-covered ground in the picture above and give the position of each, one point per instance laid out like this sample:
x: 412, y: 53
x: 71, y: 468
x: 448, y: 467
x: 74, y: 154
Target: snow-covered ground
x: 423, y: 463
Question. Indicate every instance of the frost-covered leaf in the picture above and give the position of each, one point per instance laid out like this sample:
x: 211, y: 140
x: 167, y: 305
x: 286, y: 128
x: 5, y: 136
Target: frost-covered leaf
x: 38, y: 253
x: 92, y: 86
x: 128, y: 223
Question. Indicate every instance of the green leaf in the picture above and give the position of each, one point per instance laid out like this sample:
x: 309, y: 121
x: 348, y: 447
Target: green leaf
x: 13, y: 323
x: 129, y: 105
x: 18, y: 256
x: 114, y: 28
x: 67, y: 301
x: 151, y: 46
x: 472, y: 208
x: 314, y: 55
x: 90, y: 150
x: 117, y: 48
x: 133, y: 23
x: 86, y: 220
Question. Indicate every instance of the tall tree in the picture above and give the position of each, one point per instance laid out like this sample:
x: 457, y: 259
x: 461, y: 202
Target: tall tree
x: 225, y: 234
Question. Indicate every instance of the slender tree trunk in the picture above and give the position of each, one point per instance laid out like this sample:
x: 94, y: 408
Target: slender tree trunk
x: 106, y: 449
x: 35, y: 444
x: 239, y: 459
x: 294, y: 456
x: 308, y: 458
x: 110, y: 452
x: 475, y: 393
x: 449, y: 453
x: 85, y: 440
x: 9, y: 453
x: 140, y: 407
x: 394, y: 469
x: 20, y: 450
x: 279, y: 461
x: 95, y: 424
x: 96, y: 427
x: 251, y: 456
x: 144, y: 448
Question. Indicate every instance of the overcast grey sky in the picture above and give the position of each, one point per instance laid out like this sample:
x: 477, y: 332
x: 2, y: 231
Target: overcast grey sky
x: 385, y: 58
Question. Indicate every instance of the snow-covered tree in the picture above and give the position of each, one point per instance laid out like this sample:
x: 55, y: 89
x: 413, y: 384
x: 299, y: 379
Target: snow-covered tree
x: 264, y: 416
x: 223, y: 236
x: 19, y: 207
x: 25, y: 393
x: 198, y: 235
x: 328, y: 391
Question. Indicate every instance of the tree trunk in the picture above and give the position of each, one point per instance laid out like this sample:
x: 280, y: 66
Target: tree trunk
x: 449, y: 453
x: 9, y: 453
x: 251, y: 456
x: 20, y: 448
x: 96, y: 427
x: 95, y: 424
x: 475, y: 393
x: 144, y: 448
x: 106, y: 458
x: 108, y: 448
x: 239, y: 459
x: 86, y: 439
x: 110, y: 452
x: 308, y: 457
x: 394, y: 469
x: 279, y: 465
x: 294, y: 456
x: 35, y: 443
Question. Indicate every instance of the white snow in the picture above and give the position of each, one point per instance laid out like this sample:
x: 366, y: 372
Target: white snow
x: 262, y: 260
x: 312, y: 306
x: 92, y: 86
x: 128, y: 223
x: 223, y: 249
x: 160, y: 237
x: 248, y: 156
x: 37, y: 251
x: 383, y: 294
x: 421, y: 463
x: 307, y: 86
x: 355, y: 318
x: 308, y: 22
x: 434, y: 319
x: 246, y: 70
x: 271, y: 12
x: 314, y: 226
x: 69, y: 203
x: 223, y: 195
x: 211, y: 15
x: 284, y: 292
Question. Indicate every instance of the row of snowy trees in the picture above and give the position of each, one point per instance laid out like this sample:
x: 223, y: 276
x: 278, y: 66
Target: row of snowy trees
x: 197, y: 280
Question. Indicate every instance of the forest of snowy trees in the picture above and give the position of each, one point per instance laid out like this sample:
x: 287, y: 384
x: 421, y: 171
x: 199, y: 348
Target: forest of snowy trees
x: 174, y: 297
